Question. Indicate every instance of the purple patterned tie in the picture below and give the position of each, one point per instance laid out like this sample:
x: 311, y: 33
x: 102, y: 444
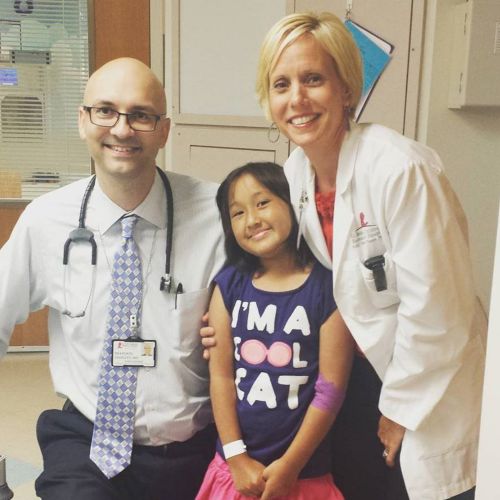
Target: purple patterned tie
x: 111, y: 447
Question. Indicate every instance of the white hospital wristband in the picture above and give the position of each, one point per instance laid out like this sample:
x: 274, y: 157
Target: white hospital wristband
x: 234, y: 448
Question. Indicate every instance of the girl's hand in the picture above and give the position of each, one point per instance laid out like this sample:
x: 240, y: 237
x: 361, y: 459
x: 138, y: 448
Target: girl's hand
x: 247, y: 475
x: 280, y: 478
x: 391, y: 436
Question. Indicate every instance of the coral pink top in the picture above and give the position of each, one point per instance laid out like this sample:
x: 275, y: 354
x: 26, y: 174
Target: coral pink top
x: 324, y: 207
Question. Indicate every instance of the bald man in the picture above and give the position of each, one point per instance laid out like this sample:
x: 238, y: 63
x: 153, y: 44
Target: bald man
x: 164, y: 438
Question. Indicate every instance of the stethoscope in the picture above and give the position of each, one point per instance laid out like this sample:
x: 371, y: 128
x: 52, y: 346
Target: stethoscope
x: 82, y: 234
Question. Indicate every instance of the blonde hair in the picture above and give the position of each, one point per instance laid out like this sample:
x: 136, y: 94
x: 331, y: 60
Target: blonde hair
x: 330, y: 33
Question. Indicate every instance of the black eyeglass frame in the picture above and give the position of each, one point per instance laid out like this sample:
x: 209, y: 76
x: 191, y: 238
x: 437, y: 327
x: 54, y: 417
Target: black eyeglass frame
x: 90, y: 108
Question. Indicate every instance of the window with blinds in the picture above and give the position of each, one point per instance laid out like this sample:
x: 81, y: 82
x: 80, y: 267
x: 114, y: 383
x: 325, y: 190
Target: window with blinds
x: 43, y: 72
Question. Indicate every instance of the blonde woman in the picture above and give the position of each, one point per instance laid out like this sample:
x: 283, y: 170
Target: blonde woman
x: 377, y: 208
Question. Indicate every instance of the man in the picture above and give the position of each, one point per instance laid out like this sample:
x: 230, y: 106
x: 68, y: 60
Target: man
x: 115, y: 336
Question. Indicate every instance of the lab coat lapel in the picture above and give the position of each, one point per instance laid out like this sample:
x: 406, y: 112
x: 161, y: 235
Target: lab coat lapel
x: 343, y: 211
x: 301, y: 179
x: 313, y: 232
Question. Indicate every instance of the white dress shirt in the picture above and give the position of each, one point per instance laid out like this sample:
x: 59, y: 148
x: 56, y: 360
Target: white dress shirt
x: 172, y: 401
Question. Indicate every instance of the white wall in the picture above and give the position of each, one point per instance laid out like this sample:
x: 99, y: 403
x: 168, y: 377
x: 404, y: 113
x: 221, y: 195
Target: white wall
x: 468, y: 141
x: 489, y: 451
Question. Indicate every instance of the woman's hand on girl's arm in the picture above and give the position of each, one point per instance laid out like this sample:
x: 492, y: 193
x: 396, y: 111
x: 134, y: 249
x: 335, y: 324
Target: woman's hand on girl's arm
x: 246, y: 472
x: 336, y: 348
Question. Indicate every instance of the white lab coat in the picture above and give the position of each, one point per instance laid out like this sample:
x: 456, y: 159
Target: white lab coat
x: 424, y: 335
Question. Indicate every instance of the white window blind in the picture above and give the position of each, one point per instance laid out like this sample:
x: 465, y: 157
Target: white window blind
x: 43, y: 72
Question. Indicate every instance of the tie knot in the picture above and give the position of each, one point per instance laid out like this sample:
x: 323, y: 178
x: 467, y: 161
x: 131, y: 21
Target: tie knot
x: 128, y: 224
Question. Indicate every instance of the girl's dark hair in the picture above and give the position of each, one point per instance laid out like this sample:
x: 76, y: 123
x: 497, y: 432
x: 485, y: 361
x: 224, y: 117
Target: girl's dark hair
x: 272, y: 177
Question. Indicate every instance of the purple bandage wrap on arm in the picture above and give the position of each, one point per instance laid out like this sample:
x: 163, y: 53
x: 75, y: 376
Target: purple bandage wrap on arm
x: 327, y: 396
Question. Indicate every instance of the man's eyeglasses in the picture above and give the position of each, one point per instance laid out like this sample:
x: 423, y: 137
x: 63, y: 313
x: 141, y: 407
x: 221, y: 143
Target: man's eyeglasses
x: 108, y: 117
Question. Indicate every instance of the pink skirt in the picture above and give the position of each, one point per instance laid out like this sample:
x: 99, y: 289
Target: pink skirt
x: 218, y: 485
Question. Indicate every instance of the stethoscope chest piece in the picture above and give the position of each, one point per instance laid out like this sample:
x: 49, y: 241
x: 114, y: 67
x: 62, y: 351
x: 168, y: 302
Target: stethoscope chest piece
x: 76, y: 235
x: 80, y: 234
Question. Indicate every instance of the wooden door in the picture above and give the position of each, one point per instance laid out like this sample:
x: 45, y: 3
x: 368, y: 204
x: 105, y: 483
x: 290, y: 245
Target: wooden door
x: 33, y: 332
x: 119, y: 28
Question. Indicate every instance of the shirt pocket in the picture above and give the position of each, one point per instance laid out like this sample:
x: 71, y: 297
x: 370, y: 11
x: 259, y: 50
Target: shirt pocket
x: 187, y: 310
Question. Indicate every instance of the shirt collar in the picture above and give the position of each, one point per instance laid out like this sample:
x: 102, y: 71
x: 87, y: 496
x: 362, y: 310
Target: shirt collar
x: 152, y: 209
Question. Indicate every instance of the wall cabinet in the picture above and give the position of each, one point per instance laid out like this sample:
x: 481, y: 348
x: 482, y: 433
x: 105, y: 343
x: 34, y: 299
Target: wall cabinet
x: 218, y: 124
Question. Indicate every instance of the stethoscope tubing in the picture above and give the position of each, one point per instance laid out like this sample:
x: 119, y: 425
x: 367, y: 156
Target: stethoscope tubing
x: 82, y: 233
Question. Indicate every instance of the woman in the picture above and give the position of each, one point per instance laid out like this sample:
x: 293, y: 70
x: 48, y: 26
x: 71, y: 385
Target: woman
x: 401, y: 268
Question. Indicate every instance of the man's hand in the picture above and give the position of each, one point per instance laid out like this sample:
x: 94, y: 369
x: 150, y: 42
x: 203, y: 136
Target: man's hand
x: 207, y: 337
x: 391, y: 436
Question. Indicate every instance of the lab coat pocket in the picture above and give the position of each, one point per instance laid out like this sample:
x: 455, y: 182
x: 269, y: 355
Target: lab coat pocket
x: 187, y: 310
x: 383, y: 298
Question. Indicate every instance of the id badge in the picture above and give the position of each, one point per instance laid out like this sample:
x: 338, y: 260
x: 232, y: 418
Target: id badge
x: 134, y: 352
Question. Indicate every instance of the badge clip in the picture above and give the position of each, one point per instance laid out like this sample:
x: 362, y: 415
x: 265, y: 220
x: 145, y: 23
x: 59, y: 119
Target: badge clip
x: 376, y: 266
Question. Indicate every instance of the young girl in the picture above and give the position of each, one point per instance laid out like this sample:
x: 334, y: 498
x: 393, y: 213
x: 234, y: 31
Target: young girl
x: 283, y: 354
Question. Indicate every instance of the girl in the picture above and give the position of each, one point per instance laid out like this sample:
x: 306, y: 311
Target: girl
x: 283, y: 354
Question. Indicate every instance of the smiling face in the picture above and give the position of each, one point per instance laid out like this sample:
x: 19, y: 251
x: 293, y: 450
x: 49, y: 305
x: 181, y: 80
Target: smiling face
x: 260, y: 220
x: 124, y: 85
x: 307, y: 99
